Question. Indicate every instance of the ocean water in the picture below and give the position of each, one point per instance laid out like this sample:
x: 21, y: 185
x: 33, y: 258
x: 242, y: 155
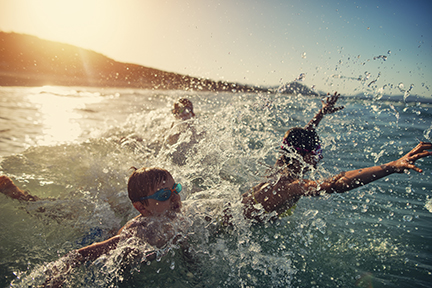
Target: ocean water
x: 74, y: 146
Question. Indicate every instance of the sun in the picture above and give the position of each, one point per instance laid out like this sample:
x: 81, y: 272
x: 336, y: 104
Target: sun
x: 71, y: 21
x: 70, y: 17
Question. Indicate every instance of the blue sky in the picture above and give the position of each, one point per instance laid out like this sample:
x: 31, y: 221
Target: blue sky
x: 264, y: 42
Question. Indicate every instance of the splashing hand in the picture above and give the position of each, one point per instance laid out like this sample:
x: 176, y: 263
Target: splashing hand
x: 407, y: 162
x: 329, y: 103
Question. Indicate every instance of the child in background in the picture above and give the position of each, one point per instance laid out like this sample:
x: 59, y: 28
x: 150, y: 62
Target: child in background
x: 183, y: 135
x: 183, y: 109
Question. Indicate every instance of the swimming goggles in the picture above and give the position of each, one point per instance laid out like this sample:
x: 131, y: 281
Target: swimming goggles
x: 164, y: 194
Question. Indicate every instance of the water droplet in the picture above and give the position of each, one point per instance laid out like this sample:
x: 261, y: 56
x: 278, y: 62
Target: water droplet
x: 406, y: 95
x: 428, y: 205
x: 407, y: 218
x: 427, y: 133
x: 310, y: 214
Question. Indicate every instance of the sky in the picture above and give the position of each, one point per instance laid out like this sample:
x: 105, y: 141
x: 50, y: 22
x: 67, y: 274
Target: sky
x: 377, y: 47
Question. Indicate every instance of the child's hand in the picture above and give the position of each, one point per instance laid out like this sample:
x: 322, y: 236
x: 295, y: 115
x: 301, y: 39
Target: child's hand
x: 328, y: 105
x: 57, y: 271
x: 56, y: 276
x: 327, y: 108
x: 407, y: 162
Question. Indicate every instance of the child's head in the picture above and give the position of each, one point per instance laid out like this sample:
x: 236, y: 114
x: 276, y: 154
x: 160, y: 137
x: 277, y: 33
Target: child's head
x: 143, y: 181
x: 146, y: 182
x: 305, y: 143
x: 183, y: 109
x: 302, y: 140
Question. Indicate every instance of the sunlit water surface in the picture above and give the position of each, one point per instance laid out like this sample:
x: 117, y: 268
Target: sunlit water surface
x: 76, y: 145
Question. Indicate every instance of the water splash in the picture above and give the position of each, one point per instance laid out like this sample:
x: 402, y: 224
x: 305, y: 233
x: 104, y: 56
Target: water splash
x: 428, y: 204
x: 427, y: 133
x: 383, y: 57
x: 408, y: 92
x: 240, y: 139
x: 301, y: 77
x: 407, y: 218
x: 396, y: 113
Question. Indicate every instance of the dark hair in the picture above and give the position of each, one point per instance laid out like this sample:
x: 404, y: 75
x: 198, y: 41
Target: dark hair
x: 302, y: 140
x: 183, y: 103
x: 144, y: 180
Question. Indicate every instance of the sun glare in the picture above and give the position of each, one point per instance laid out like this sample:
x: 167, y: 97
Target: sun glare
x: 60, y: 110
x: 75, y: 22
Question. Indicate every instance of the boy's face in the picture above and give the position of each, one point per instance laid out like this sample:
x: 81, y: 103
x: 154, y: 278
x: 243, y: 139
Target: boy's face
x: 168, y: 207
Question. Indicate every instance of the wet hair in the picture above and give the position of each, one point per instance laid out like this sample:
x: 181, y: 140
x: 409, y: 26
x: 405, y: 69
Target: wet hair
x: 143, y: 181
x: 183, y: 104
x: 301, y: 141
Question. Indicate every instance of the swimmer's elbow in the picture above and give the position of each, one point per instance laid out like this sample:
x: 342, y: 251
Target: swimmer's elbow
x: 341, y: 185
x: 337, y: 184
x: 93, y: 251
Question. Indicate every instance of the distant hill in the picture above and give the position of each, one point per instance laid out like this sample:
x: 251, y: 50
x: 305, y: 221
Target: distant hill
x: 296, y: 88
x: 30, y: 61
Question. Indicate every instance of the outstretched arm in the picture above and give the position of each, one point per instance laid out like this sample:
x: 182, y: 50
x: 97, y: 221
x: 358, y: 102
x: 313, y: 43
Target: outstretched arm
x: 58, y: 271
x: 95, y: 250
x: 283, y: 194
x: 346, y: 181
x: 328, y: 107
x: 8, y: 188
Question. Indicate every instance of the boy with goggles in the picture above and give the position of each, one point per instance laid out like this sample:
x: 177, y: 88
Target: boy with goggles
x: 163, y: 194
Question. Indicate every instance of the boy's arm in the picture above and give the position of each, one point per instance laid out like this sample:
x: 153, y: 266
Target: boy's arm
x: 283, y: 194
x: 56, y: 274
x: 328, y: 108
x: 95, y: 250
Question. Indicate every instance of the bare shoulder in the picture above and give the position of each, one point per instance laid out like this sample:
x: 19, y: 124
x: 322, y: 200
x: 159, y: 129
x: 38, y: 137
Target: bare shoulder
x: 302, y: 187
x: 156, y: 231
